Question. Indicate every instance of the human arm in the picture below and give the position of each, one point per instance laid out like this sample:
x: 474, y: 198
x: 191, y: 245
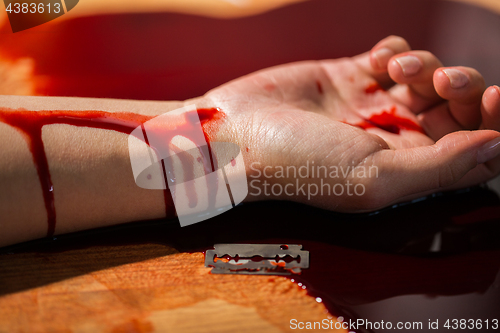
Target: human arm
x: 287, y: 116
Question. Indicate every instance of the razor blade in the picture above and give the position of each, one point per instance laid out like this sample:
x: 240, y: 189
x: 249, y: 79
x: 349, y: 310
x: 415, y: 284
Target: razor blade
x: 261, y: 259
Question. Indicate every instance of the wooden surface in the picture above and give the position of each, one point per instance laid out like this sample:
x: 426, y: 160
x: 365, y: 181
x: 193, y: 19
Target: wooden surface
x: 170, y: 292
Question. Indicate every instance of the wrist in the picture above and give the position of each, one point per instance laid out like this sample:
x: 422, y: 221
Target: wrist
x: 232, y: 128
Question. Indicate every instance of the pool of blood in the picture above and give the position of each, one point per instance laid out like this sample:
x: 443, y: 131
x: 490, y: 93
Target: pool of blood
x: 355, y: 260
x: 120, y: 56
x: 364, y: 259
x: 30, y: 124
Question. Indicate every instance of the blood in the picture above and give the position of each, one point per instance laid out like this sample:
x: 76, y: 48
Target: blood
x: 210, y: 121
x: 30, y: 124
x: 379, y: 276
x: 319, y: 87
x: 390, y: 122
x: 358, y: 260
x: 372, y: 88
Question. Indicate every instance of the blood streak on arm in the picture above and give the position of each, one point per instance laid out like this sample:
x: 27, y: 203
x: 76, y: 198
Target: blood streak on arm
x: 30, y: 124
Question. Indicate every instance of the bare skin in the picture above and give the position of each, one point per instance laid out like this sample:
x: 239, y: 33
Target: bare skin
x: 281, y: 112
x: 289, y: 115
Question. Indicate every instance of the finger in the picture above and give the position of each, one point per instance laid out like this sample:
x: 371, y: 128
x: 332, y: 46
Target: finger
x: 463, y: 87
x: 414, y: 72
x: 374, y: 63
x: 408, y: 172
x: 438, y: 122
x: 490, y: 108
x: 384, y: 50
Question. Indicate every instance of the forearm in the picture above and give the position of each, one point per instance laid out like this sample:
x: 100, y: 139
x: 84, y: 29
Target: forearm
x: 89, y: 169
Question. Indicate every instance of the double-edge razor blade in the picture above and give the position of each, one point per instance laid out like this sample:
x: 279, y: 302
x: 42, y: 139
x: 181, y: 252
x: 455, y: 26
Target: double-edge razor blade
x: 265, y: 259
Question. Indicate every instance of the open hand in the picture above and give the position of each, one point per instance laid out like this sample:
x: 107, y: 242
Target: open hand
x: 422, y: 127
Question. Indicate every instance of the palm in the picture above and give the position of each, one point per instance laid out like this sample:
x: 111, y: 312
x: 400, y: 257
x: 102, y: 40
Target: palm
x: 300, y: 113
x: 335, y: 90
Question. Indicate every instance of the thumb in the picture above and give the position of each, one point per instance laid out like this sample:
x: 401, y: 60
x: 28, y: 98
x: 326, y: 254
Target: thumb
x: 462, y: 158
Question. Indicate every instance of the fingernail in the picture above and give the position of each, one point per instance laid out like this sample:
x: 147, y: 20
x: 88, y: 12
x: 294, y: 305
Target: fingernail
x: 457, y: 78
x: 497, y: 88
x: 488, y: 151
x: 382, y: 56
x: 410, y: 65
